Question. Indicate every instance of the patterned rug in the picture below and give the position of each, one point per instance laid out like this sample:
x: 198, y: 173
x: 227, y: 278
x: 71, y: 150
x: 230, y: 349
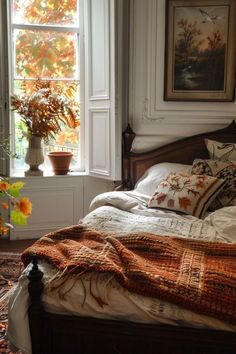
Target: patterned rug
x: 10, y: 268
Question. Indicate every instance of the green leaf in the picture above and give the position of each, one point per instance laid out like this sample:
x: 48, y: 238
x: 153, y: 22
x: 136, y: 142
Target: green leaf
x: 18, y: 218
x: 15, y: 188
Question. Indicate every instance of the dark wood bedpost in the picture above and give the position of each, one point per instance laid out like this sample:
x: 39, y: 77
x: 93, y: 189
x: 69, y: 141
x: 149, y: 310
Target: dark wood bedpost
x: 127, y: 139
x: 35, y: 311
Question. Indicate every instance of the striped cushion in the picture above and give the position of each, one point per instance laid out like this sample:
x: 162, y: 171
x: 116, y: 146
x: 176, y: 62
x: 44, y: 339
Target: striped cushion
x: 225, y: 170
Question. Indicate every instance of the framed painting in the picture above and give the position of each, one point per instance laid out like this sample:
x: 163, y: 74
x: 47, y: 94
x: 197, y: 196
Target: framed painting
x: 200, y: 50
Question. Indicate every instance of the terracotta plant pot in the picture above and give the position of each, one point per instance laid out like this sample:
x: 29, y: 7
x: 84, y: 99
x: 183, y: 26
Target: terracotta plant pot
x: 60, y: 161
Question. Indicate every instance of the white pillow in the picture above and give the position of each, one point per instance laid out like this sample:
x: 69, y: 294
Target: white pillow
x: 148, y: 183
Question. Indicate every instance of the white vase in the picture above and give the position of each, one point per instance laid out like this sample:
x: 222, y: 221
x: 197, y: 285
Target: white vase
x: 34, y: 156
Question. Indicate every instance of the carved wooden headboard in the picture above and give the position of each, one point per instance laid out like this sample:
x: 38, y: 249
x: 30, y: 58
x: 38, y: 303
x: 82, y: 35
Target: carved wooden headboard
x: 181, y: 151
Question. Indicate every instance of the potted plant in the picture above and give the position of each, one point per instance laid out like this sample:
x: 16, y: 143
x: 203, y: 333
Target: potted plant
x: 44, y: 109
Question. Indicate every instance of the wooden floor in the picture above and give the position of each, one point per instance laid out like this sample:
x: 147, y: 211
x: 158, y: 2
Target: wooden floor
x: 15, y: 246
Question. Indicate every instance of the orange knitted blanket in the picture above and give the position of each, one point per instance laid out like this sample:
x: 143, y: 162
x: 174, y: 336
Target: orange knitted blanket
x: 200, y: 276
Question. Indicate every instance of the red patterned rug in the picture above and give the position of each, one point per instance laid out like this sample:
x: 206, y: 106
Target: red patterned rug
x: 10, y: 268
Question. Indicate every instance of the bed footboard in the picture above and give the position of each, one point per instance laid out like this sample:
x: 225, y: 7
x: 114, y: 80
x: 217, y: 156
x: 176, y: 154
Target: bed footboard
x: 35, y: 310
x: 62, y: 334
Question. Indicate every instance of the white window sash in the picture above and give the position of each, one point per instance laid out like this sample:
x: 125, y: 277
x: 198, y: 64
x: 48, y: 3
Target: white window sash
x: 79, y: 54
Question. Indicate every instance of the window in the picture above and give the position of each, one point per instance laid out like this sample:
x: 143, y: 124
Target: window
x: 45, y: 45
x: 71, y: 42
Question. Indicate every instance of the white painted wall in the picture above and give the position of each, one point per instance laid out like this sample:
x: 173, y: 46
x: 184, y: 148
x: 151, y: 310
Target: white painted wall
x: 155, y: 121
x: 58, y: 201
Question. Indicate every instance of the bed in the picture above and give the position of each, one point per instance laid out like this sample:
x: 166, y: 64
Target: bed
x: 54, y: 331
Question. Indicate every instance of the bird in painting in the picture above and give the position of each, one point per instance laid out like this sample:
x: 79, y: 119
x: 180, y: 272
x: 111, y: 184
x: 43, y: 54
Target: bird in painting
x: 208, y: 18
x: 187, y: 68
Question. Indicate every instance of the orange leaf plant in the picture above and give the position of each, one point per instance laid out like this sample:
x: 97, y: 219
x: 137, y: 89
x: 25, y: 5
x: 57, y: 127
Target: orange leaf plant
x: 21, y: 207
x: 46, y: 109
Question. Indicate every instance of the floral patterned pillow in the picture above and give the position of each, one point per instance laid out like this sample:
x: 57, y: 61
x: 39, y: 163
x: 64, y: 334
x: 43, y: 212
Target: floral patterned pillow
x: 221, y: 151
x: 189, y: 194
x: 223, y: 170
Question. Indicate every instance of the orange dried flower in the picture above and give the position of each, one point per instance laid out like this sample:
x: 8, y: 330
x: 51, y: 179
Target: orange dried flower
x: 5, y: 205
x: 25, y: 206
x: 4, y: 186
x: 4, y: 230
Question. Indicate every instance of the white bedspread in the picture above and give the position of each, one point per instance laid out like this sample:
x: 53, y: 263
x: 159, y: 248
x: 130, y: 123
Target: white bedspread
x: 123, y: 212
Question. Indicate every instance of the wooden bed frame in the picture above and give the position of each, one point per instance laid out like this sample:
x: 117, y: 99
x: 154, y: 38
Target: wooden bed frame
x: 61, y: 334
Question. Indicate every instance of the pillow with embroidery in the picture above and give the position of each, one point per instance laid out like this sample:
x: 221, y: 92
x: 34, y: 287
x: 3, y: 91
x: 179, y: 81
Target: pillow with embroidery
x: 189, y: 194
x: 221, y: 151
x: 220, y: 169
x: 154, y: 175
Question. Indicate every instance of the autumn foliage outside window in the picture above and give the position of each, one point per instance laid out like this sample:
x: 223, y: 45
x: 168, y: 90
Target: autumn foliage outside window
x: 46, y: 46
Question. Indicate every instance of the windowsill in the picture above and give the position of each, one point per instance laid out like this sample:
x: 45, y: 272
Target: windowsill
x: 21, y: 174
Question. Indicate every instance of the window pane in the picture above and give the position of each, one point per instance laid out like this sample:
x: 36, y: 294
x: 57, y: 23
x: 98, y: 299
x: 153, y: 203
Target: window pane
x: 47, y: 54
x: 66, y: 140
x: 46, y: 12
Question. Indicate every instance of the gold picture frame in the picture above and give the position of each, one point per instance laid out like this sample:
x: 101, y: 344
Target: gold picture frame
x: 200, y: 50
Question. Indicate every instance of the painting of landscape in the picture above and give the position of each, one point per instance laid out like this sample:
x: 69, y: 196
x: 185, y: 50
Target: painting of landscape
x: 199, y: 49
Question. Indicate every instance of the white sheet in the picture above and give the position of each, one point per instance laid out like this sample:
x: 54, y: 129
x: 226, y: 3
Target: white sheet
x: 219, y: 226
x: 122, y: 304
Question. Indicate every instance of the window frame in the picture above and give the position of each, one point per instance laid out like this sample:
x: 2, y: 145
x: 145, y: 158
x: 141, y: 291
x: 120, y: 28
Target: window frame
x: 4, y: 84
x: 78, y: 30
x: 110, y: 41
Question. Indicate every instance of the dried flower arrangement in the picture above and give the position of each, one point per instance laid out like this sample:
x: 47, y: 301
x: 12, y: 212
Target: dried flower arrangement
x: 46, y: 108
